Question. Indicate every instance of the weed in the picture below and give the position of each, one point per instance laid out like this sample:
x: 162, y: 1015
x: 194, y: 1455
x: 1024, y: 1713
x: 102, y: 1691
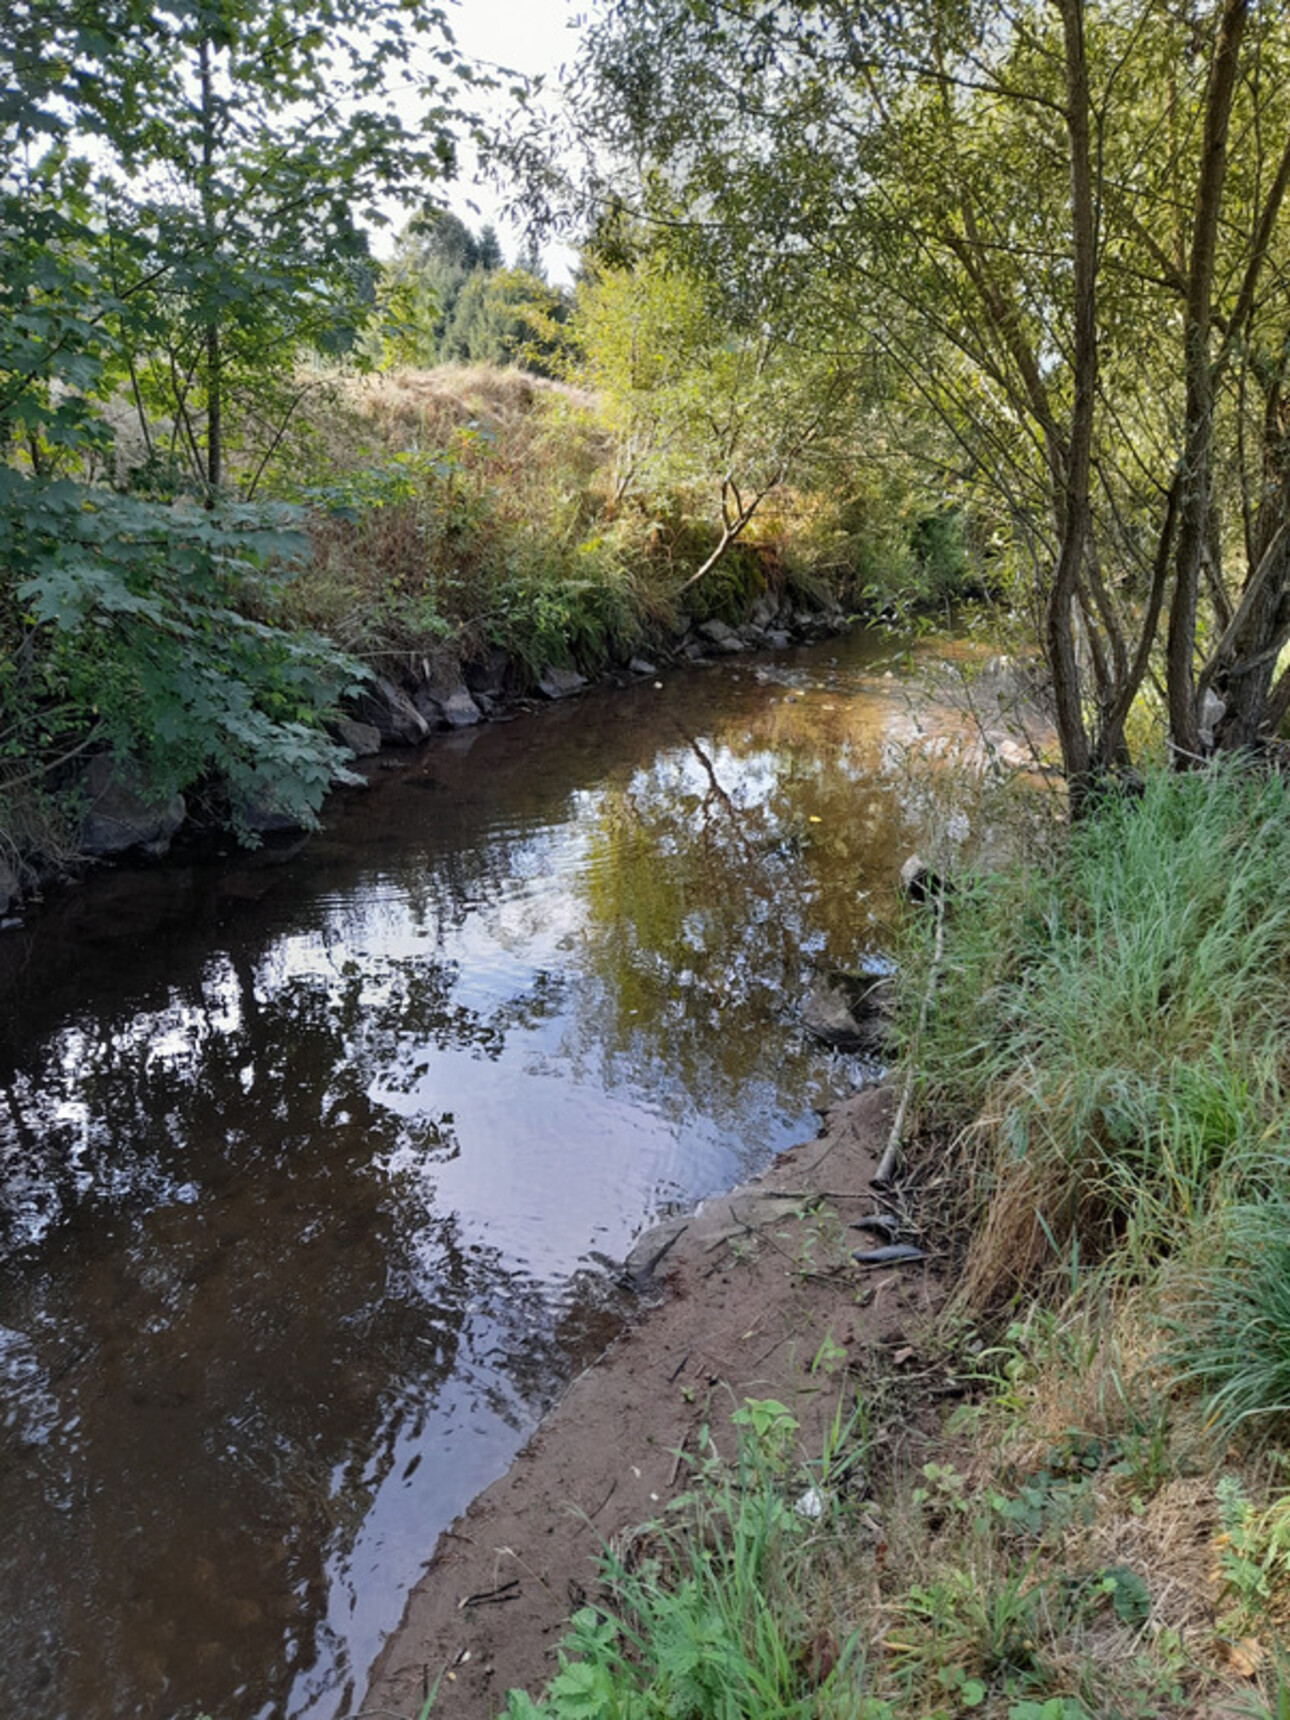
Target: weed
x: 1109, y: 1031
x: 717, y: 1619
x: 1254, y: 1561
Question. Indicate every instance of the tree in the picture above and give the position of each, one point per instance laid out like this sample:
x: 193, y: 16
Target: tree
x: 265, y: 147
x: 506, y: 316
x: 991, y: 200
x: 183, y: 192
x: 705, y: 392
x: 437, y: 258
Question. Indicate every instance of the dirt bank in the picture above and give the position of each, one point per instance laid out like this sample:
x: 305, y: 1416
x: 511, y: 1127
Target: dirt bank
x: 749, y: 1289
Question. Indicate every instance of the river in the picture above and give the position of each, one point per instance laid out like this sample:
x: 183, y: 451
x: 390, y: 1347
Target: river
x: 316, y: 1166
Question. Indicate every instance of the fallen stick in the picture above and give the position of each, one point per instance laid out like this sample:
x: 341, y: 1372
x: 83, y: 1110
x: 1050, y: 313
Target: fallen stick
x: 492, y: 1597
x: 887, y: 1164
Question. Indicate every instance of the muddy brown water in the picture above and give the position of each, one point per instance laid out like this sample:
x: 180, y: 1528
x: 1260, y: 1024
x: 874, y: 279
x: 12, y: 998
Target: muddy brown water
x: 316, y: 1166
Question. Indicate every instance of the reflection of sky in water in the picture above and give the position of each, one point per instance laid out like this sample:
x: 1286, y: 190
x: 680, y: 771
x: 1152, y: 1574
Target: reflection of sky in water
x: 307, y: 1200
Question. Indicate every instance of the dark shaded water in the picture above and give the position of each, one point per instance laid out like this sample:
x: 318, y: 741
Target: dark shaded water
x: 313, y: 1170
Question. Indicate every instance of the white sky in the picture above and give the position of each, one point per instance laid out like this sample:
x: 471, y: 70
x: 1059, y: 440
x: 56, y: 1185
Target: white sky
x: 529, y: 36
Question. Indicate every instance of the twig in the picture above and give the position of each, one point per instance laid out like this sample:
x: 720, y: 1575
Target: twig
x: 613, y: 1488
x: 676, y: 1466
x: 492, y: 1597
x: 887, y: 1164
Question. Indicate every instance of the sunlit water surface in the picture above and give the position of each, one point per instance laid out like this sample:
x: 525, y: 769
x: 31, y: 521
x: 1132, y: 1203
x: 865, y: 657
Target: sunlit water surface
x: 315, y: 1169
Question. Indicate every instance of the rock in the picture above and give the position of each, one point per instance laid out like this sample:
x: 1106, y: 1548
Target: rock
x: 721, y: 635
x: 652, y: 1246
x: 362, y: 739
x: 488, y: 674
x: 121, y: 812
x: 429, y: 708
x: 461, y: 711
x: 764, y: 611
x: 921, y: 883
x: 10, y: 887
x: 443, y: 698
x: 641, y: 666
x: 560, y: 683
x: 454, y: 709
x: 388, y: 709
x: 693, y: 652
x: 848, y: 1011
x: 265, y: 816
x: 778, y: 640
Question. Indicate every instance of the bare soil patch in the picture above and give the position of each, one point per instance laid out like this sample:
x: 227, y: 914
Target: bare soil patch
x: 751, y: 1285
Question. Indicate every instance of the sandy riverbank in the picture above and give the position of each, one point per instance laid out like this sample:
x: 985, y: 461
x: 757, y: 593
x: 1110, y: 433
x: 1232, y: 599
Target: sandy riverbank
x: 749, y: 1289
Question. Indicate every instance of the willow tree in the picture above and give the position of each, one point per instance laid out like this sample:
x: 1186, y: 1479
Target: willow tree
x: 1063, y: 225
x: 728, y: 400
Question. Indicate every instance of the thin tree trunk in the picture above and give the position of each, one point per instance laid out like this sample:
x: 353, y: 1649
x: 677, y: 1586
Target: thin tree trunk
x: 1245, y: 658
x: 1198, y: 433
x: 214, y: 474
x: 1076, y: 510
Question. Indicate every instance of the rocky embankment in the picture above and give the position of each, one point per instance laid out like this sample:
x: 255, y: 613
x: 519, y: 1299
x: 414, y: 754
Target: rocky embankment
x: 123, y: 816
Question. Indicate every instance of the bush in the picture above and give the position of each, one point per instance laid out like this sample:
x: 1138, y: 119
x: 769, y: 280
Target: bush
x: 152, y: 631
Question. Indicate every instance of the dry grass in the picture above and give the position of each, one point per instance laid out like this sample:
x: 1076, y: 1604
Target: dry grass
x: 422, y: 408
x: 1004, y: 1562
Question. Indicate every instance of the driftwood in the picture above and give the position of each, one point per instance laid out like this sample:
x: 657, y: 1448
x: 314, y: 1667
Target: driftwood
x: 891, y: 1254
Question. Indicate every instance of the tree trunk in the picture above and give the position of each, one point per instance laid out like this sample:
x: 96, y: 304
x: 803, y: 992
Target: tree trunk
x: 1244, y: 672
x: 214, y: 474
x: 1198, y: 431
x: 1074, y: 507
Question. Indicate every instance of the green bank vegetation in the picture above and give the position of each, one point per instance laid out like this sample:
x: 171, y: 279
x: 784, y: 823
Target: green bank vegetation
x: 1051, y: 240
x: 1097, y: 1524
x: 230, y: 490
x: 938, y: 292
x: 493, y: 507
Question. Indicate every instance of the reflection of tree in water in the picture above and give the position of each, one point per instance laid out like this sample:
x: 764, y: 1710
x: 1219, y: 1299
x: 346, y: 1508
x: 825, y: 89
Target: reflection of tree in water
x: 248, y: 1311
x: 718, y: 879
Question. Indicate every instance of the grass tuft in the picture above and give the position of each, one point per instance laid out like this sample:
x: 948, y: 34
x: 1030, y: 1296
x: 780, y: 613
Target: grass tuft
x: 1232, y: 1337
x: 715, y: 1610
x: 1110, y: 1034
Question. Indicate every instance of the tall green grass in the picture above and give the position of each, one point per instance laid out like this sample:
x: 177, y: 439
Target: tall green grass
x: 1232, y: 1337
x: 1110, y: 1033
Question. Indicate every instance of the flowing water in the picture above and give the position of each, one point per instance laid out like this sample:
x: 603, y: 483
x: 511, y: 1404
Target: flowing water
x: 315, y: 1166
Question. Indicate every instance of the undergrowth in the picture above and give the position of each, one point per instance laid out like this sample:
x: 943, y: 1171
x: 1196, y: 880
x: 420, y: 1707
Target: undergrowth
x: 483, y: 505
x: 1100, y: 1530
x: 723, y: 1607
